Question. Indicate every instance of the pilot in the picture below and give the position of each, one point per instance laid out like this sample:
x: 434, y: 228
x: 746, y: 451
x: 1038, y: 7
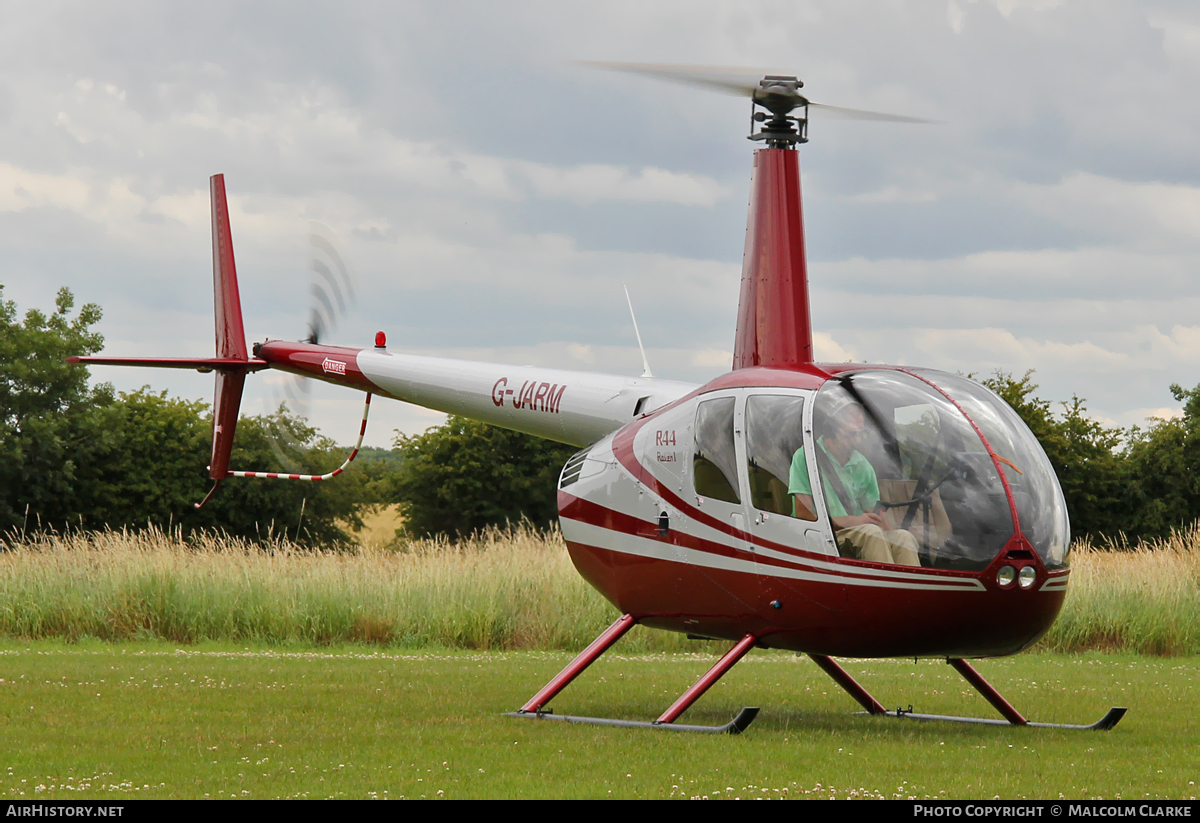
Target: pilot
x: 851, y: 491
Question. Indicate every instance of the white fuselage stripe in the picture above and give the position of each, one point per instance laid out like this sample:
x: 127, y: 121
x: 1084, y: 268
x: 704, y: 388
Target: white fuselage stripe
x: 624, y: 543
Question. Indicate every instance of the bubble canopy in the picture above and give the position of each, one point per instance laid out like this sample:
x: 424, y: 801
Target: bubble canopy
x: 926, y: 435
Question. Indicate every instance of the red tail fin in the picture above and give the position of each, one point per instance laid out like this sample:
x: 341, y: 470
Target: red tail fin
x: 773, y: 327
x: 231, y: 337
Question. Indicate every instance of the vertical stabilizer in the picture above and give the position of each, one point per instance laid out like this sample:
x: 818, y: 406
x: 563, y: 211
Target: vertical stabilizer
x: 231, y: 338
x: 773, y: 327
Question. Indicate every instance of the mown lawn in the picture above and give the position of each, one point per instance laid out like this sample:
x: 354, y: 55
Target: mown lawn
x: 154, y: 720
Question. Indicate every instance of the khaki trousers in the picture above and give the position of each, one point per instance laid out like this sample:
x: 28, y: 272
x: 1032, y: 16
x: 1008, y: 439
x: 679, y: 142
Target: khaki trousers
x: 872, y: 543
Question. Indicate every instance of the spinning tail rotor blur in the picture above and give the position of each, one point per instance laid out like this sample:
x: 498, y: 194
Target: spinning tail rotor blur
x: 331, y: 296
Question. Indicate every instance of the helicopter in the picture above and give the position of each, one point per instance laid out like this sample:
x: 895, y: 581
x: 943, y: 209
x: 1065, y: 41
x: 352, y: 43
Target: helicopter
x: 939, y: 529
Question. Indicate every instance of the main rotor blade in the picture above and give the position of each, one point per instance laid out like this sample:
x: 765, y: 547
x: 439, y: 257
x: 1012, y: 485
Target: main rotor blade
x: 840, y: 113
x: 744, y: 82
x: 727, y: 79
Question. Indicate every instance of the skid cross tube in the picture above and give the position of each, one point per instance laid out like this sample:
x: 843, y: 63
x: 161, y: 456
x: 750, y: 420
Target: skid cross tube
x: 534, y: 708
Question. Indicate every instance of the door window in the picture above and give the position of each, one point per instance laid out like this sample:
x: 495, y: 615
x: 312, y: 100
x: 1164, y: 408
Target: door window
x: 775, y: 459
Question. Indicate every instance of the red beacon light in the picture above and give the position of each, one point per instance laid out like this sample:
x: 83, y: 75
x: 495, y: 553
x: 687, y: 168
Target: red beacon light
x: 380, y: 340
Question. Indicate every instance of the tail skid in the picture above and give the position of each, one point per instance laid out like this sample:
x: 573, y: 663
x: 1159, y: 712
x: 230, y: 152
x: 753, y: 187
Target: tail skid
x: 281, y: 476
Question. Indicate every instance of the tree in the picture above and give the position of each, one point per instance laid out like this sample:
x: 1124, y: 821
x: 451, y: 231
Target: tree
x: 149, y: 468
x: 78, y: 457
x: 1083, y: 452
x: 46, y: 407
x: 463, y: 476
x: 1163, y: 460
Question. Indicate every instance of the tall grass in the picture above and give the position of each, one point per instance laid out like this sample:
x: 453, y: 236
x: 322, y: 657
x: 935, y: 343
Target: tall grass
x: 501, y: 590
x: 1143, y: 598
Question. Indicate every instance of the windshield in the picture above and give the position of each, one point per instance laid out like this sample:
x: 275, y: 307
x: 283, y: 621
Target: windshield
x: 1041, y: 508
x: 890, y: 444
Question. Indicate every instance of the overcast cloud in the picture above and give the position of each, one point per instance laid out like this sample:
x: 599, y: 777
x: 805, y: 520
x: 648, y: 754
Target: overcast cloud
x: 491, y: 196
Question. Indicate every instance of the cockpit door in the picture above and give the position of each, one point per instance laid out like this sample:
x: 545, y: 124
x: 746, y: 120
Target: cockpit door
x: 778, y: 461
x: 777, y: 431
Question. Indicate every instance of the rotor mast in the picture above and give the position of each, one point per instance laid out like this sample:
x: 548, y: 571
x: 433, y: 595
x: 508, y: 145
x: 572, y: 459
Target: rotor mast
x: 774, y: 326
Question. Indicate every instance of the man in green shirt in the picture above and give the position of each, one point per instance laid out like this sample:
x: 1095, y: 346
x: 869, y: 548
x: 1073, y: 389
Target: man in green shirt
x: 852, y: 494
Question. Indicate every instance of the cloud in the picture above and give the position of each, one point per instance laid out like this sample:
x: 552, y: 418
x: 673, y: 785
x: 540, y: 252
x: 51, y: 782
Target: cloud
x: 893, y: 194
x: 712, y: 358
x: 589, y: 183
x: 22, y: 189
x: 828, y: 350
x: 1143, y: 214
x: 492, y: 197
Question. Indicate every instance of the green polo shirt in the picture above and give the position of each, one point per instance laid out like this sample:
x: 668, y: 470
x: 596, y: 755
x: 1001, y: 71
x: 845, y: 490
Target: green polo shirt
x: 857, y: 476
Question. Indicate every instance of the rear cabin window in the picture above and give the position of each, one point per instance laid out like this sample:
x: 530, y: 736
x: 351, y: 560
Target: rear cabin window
x: 714, y: 462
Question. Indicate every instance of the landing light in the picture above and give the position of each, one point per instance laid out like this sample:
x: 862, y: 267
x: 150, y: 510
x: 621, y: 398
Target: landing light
x: 1027, y: 576
x: 1006, y: 576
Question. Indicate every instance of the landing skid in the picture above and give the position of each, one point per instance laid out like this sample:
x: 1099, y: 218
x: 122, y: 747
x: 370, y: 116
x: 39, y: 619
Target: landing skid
x: 1105, y: 723
x: 1011, y: 716
x: 738, y: 725
x: 536, y: 709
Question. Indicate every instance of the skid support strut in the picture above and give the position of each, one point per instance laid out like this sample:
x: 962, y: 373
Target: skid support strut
x: 1012, y: 717
x: 707, y: 680
x: 843, y: 679
x: 534, y: 708
x: 586, y: 658
x: 985, y: 688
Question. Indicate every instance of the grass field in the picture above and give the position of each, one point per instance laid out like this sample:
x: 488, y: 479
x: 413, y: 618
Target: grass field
x: 117, y: 721
x: 138, y: 665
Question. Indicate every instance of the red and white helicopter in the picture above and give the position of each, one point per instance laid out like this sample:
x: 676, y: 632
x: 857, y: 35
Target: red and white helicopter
x: 940, y: 529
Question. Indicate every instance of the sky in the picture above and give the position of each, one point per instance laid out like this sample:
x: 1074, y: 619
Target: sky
x: 490, y: 195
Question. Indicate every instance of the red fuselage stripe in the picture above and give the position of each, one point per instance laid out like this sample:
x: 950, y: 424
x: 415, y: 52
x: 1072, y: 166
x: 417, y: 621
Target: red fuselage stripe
x: 586, y: 511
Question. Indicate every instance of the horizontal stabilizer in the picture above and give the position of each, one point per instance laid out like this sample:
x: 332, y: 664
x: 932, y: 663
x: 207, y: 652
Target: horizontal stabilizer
x: 202, y: 364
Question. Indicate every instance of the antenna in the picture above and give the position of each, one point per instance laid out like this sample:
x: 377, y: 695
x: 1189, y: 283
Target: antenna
x: 641, y: 348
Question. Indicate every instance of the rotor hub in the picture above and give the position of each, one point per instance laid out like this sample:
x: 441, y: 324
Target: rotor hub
x: 780, y: 95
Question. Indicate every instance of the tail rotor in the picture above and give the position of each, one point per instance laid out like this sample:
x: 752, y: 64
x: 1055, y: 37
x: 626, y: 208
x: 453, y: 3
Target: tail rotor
x: 331, y: 296
x: 332, y: 288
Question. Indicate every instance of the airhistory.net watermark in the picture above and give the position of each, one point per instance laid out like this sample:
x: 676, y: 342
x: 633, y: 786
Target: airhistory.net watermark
x: 61, y: 810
